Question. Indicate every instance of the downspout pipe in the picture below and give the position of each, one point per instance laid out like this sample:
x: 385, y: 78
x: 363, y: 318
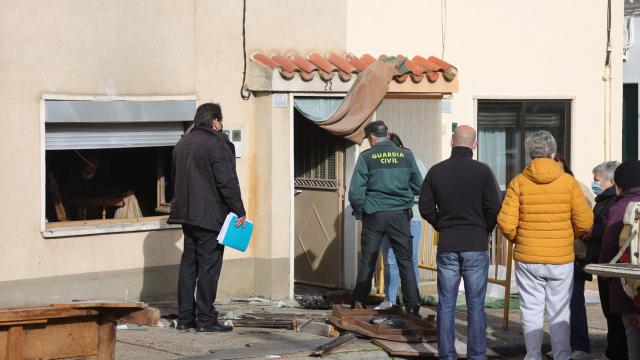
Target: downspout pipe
x: 606, y: 77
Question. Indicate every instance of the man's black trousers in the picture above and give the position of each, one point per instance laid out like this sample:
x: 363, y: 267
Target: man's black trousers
x: 375, y: 226
x: 201, y: 260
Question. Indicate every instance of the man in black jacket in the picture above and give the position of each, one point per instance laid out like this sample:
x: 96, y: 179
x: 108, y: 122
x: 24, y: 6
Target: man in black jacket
x: 206, y: 190
x: 460, y: 200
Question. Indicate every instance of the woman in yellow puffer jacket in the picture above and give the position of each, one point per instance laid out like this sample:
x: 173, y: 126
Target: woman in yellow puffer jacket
x: 543, y: 211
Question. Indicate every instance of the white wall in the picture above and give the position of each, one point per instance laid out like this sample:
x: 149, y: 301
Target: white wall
x: 508, y: 49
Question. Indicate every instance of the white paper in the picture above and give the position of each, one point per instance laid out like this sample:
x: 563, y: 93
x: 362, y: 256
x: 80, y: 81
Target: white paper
x: 225, y: 227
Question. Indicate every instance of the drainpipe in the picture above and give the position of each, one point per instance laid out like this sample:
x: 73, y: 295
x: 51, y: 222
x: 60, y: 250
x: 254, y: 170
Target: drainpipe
x: 606, y: 77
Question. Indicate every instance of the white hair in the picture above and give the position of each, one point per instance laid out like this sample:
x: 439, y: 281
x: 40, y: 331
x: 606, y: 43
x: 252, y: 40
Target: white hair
x: 540, y: 144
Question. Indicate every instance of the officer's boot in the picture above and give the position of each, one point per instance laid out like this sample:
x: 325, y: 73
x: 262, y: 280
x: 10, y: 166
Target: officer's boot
x: 413, y: 310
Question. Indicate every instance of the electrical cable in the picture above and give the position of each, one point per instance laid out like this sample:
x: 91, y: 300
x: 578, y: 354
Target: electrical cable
x: 443, y: 22
x: 245, y: 94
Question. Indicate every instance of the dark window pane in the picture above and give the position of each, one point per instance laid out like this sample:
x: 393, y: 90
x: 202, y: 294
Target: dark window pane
x: 548, y: 116
x: 499, y: 139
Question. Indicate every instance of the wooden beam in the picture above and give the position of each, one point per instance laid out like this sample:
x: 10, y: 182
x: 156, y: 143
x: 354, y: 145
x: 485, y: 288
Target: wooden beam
x: 14, y: 343
x: 107, y: 341
x: 333, y: 345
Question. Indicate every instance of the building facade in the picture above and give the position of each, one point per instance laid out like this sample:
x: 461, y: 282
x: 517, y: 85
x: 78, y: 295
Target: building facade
x: 112, y: 84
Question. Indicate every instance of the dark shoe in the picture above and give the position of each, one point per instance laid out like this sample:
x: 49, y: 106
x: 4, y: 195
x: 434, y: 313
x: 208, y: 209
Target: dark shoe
x: 413, y: 310
x: 185, y: 326
x: 217, y: 327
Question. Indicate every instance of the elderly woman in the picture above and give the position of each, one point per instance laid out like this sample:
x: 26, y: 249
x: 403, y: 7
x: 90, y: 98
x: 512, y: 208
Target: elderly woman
x: 543, y: 211
x: 604, y: 189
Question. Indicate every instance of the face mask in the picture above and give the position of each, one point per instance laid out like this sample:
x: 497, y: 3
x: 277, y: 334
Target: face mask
x: 595, y: 187
x: 87, y: 176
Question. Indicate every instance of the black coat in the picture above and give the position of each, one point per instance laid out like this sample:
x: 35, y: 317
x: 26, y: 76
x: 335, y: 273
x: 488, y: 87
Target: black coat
x: 206, y: 183
x: 460, y: 199
x: 600, y: 217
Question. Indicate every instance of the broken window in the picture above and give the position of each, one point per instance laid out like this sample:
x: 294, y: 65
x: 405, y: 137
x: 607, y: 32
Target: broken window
x: 105, y: 184
x: 110, y: 161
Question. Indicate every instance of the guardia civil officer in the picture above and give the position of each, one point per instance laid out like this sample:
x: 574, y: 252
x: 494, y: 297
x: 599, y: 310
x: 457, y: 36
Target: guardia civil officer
x: 385, y: 181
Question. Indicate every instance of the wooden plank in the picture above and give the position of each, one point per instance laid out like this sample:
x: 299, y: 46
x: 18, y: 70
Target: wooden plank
x: 100, y: 304
x: 333, y: 345
x: 424, y: 349
x: 260, y: 350
x: 106, y: 341
x: 267, y: 323
x: 56, y: 198
x: 23, y: 322
x: 61, y: 338
x: 22, y: 314
x: 15, y: 342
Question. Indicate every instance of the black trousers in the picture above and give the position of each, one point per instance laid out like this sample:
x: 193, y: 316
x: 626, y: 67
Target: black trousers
x: 616, y: 335
x: 201, y: 262
x: 396, y: 224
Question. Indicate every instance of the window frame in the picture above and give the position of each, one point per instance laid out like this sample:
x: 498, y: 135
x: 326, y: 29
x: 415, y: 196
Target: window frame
x: 99, y: 226
x: 523, y: 102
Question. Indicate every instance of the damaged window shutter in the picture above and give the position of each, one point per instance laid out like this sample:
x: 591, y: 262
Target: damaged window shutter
x: 85, y: 124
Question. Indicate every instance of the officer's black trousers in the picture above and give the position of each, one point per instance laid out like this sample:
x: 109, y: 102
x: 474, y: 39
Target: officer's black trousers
x: 375, y: 226
x: 201, y: 260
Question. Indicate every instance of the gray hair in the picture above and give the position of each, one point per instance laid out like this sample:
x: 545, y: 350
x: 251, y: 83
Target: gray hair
x: 606, y: 169
x: 540, y: 144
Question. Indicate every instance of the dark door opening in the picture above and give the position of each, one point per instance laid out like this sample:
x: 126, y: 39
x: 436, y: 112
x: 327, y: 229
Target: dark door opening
x: 630, y: 121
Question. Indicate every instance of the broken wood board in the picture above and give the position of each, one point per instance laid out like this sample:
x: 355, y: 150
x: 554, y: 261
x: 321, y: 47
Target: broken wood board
x: 333, y: 345
x: 262, y: 350
x: 64, y: 332
x: 316, y: 328
x: 288, y: 324
x: 396, y: 325
x: 424, y: 349
x: 100, y: 303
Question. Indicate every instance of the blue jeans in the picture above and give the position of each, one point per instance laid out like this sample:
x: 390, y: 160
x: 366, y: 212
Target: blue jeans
x: 473, y: 267
x: 391, y: 274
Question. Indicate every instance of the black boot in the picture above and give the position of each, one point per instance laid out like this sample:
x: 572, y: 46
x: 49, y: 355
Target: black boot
x: 413, y: 310
x: 215, y: 327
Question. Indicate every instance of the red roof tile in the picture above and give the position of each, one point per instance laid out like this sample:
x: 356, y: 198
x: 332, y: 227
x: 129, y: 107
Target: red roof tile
x: 418, y: 68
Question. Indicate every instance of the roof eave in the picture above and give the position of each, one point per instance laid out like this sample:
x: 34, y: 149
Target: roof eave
x: 261, y: 79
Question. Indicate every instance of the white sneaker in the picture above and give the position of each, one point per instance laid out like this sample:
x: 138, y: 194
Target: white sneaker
x: 384, y: 305
x: 580, y: 355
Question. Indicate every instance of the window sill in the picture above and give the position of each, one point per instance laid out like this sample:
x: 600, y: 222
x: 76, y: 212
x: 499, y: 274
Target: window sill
x: 105, y: 228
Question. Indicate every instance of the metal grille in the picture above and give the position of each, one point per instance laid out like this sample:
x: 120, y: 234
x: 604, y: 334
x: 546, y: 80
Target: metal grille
x: 418, y: 122
x: 315, y: 155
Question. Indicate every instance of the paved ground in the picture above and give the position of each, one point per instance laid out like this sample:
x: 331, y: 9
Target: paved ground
x: 164, y: 343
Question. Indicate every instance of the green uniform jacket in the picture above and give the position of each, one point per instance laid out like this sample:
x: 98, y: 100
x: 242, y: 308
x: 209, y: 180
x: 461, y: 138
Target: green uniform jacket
x: 385, y: 178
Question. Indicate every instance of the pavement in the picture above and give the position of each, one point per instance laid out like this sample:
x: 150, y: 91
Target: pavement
x: 136, y: 343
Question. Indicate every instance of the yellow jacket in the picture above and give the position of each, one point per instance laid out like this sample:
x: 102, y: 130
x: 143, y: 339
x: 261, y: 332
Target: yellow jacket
x: 543, y: 211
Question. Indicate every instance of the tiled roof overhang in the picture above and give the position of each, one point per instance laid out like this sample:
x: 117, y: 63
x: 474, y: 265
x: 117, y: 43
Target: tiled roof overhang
x: 336, y: 73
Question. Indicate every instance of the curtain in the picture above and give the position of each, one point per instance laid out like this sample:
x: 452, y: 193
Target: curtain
x: 492, y: 150
x: 317, y: 109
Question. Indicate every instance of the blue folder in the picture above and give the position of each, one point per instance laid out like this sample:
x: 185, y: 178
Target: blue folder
x: 235, y: 237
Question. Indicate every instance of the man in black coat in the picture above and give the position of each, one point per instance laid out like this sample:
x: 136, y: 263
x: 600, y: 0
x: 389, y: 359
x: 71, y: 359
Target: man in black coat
x: 206, y: 190
x: 460, y: 200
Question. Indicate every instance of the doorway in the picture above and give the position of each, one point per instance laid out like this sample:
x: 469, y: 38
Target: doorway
x: 630, y: 121
x: 318, y: 204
